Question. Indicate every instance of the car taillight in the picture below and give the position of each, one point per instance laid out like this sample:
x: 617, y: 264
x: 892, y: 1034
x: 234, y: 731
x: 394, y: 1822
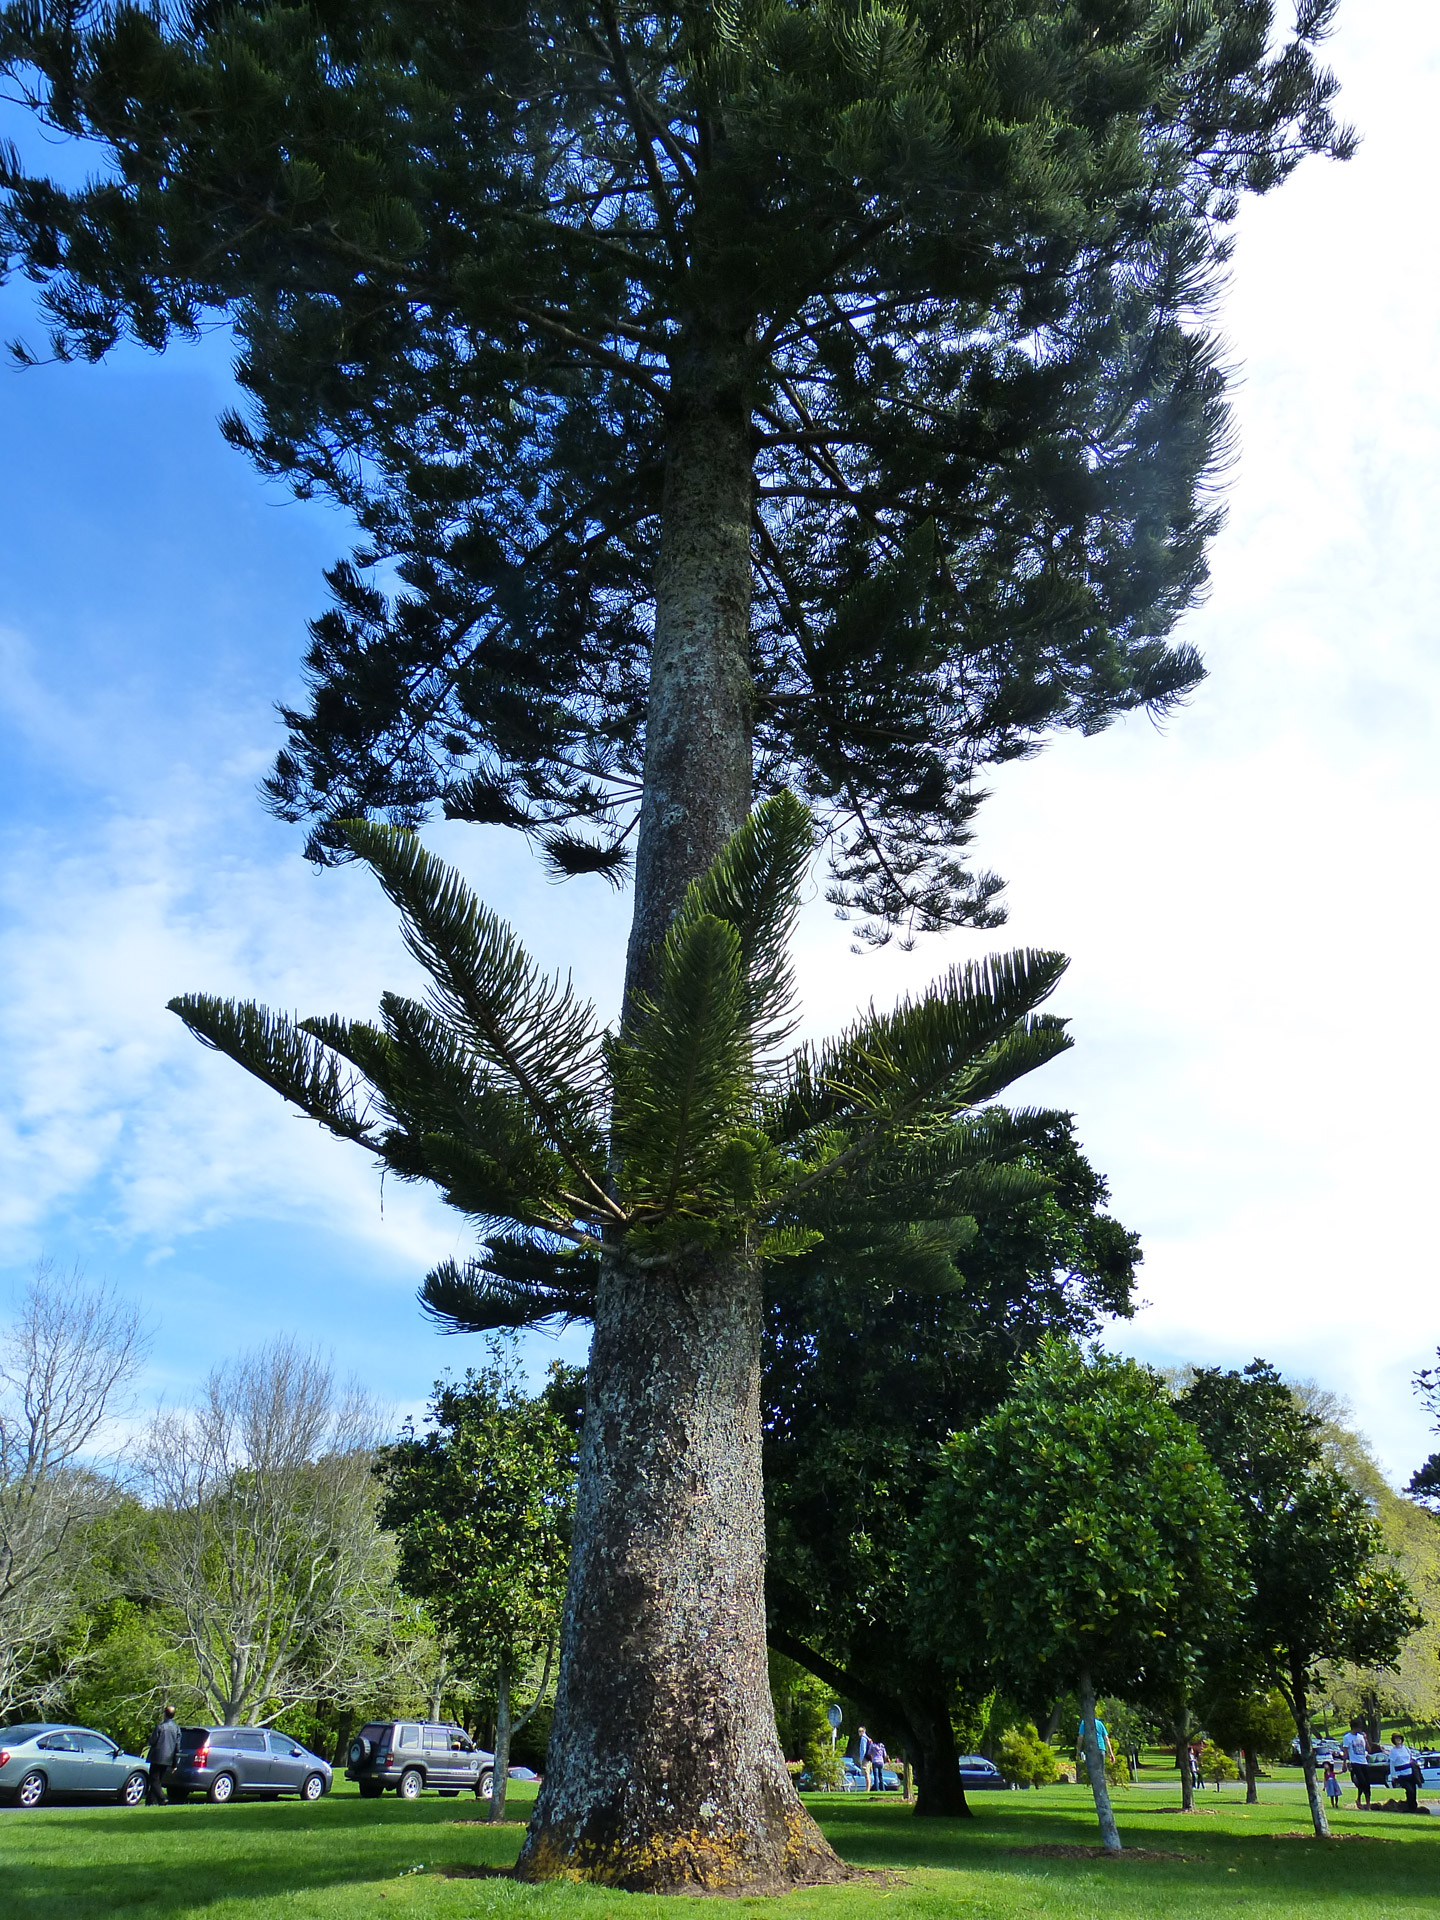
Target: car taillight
x: 202, y: 1756
x: 4, y: 1756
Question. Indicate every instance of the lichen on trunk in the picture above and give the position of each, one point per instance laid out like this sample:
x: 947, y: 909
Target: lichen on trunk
x: 665, y: 1772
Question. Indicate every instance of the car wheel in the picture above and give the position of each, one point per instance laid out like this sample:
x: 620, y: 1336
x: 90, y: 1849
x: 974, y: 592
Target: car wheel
x: 314, y: 1786
x: 410, y: 1784
x: 222, y: 1787
x: 359, y: 1752
x: 485, y: 1786
x: 370, y: 1789
x: 31, y: 1790
x: 132, y: 1791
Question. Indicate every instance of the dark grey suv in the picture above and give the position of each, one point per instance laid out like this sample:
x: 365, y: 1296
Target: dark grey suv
x: 256, y: 1762
x: 411, y: 1755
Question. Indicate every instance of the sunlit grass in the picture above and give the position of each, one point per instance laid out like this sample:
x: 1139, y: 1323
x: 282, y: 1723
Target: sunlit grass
x: 345, y: 1857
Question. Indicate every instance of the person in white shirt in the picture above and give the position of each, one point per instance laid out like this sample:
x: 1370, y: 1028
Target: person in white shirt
x: 1404, y: 1771
x: 1356, y: 1749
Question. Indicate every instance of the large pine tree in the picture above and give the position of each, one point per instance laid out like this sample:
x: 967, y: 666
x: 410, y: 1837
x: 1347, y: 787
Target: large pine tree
x: 742, y: 396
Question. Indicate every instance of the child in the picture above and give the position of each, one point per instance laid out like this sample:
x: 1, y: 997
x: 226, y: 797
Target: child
x: 1332, y: 1785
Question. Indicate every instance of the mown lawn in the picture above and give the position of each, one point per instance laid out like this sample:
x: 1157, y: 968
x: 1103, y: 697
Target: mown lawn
x: 346, y: 1857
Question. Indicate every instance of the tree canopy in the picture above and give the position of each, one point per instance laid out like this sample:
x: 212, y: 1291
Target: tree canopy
x: 877, y: 1348
x: 1319, y: 1588
x: 481, y: 1505
x: 1079, y: 1531
x: 955, y: 258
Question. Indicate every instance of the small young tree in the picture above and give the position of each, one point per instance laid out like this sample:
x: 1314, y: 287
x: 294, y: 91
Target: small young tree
x: 1082, y: 1531
x: 1318, y: 1587
x: 262, y: 1539
x: 67, y: 1359
x: 482, y: 1505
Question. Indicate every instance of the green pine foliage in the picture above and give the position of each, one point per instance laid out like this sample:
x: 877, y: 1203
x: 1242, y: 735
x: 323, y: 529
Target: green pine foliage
x: 957, y: 257
x: 567, y: 1146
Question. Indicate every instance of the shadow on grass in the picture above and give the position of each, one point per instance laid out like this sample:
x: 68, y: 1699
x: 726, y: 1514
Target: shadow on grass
x: 172, y: 1861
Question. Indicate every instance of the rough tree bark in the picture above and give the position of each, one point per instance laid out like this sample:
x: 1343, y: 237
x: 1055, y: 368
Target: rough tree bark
x: 665, y: 1772
x: 1252, y: 1777
x: 1182, y: 1757
x: 1095, y: 1767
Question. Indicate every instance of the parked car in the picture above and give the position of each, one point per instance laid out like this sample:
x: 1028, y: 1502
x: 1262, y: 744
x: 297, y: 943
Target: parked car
x: 46, y: 1760
x: 413, y: 1755
x: 255, y: 1762
x: 1430, y: 1768
x: 978, y: 1773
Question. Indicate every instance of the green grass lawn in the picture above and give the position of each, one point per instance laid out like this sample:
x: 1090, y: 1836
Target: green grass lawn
x: 345, y: 1857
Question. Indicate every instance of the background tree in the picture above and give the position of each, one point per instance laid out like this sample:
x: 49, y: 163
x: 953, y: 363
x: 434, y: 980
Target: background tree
x: 67, y: 1360
x: 879, y: 1343
x: 1318, y: 1588
x: 481, y: 1507
x: 262, y: 1541
x: 782, y: 394
x: 1258, y: 1726
x: 1078, y: 1530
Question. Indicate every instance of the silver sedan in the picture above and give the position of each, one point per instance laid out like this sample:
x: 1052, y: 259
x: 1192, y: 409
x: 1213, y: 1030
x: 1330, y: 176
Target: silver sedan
x: 47, y: 1760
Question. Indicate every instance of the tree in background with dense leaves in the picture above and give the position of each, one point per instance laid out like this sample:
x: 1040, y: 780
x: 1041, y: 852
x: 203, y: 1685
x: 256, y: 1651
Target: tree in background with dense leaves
x: 668, y: 1150
x: 879, y: 1343
x: 804, y: 394
x: 482, y: 1506
x: 1258, y: 1726
x: 1078, y: 1532
x: 1316, y: 1587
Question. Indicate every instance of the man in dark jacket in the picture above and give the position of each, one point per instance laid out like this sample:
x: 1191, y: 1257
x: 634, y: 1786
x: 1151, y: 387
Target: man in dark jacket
x: 164, y: 1751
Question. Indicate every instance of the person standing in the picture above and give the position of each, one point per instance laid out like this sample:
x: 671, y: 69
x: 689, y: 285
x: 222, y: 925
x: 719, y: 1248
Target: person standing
x: 1404, y: 1771
x: 862, y: 1751
x: 1332, y: 1785
x: 1356, y: 1749
x: 163, y: 1752
x: 877, y: 1766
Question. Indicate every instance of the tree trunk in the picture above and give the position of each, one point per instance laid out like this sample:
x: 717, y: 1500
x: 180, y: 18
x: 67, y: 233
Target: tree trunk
x: 1182, y: 1757
x: 1300, y: 1707
x: 931, y: 1741
x: 500, y: 1775
x: 664, y: 1772
x: 1052, y: 1722
x: 1095, y: 1767
x: 438, y: 1689
x: 1252, y: 1782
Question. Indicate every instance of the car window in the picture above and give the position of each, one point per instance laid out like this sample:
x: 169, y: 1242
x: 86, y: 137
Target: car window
x: 437, y: 1737
x: 281, y: 1742
x: 59, y: 1743
x: 460, y: 1741
x: 94, y: 1743
x: 241, y: 1740
x: 409, y: 1737
x: 27, y: 1730
x: 192, y: 1737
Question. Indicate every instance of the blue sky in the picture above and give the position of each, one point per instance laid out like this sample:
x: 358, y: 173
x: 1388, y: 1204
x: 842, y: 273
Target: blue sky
x: 1248, y: 894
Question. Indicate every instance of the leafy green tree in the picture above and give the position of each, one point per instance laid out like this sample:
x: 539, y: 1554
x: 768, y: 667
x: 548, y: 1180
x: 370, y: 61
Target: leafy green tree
x: 1081, y: 1531
x: 1260, y: 1726
x: 1216, y: 1765
x: 785, y: 394
x: 1425, y: 1481
x: 1317, y: 1584
x: 865, y: 1377
x: 482, y: 1506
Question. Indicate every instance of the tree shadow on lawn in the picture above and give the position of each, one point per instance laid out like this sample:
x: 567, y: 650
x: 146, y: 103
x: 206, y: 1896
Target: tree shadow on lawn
x: 176, y: 1860
x: 1182, y: 1853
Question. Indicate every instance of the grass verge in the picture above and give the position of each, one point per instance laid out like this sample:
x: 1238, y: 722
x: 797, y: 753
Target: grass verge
x: 1024, y: 1856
